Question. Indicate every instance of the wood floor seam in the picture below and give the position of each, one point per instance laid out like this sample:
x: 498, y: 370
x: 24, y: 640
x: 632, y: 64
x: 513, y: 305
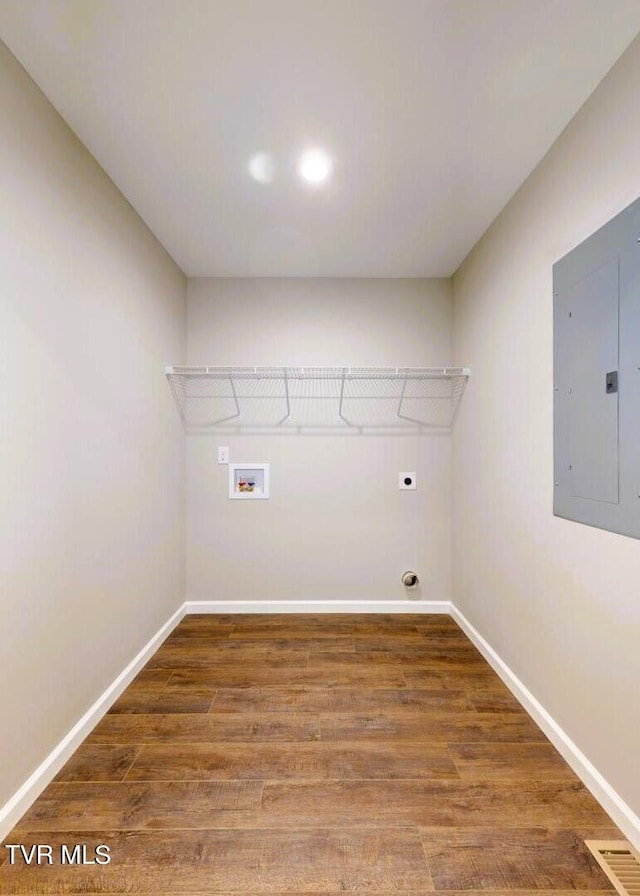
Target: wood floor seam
x: 133, y: 762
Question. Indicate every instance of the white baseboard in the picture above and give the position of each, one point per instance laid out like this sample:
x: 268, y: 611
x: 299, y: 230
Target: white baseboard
x: 318, y: 606
x: 12, y: 811
x: 612, y: 803
x: 621, y: 814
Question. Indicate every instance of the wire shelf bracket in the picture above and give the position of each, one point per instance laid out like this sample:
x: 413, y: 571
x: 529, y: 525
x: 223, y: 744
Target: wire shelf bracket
x: 361, y: 397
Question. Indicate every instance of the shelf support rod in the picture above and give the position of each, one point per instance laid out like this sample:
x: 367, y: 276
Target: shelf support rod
x: 340, y: 414
x: 404, y: 416
x: 404, y: 386
x: 179, y: 396
x: 456, y: 396
x: 286, y: 395
x: 235, y: 397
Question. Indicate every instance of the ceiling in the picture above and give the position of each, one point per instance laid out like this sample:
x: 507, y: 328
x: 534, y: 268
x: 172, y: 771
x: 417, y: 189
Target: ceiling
x: 434, y: 112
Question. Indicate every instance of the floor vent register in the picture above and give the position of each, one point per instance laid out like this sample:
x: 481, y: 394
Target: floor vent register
x: 620, y: 862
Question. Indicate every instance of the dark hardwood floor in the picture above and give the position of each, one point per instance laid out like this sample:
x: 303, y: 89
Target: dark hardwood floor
x: 315, y: 754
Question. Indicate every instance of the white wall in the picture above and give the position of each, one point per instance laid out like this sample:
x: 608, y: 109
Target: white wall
x: 91, y: 450
x: 336, y: 526
x: 559, y: 601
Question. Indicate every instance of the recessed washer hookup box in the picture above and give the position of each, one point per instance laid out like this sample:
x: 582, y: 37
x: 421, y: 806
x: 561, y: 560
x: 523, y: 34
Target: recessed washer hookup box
x: 249, y: 481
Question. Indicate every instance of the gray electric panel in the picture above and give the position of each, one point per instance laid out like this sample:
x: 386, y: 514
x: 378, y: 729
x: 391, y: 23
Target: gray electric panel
x: 596, y: 371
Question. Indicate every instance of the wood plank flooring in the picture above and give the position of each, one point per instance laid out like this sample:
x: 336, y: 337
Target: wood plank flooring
x: 315, y: 755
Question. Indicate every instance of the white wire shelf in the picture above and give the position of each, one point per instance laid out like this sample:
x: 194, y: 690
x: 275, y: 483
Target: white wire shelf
x: 363, y: 397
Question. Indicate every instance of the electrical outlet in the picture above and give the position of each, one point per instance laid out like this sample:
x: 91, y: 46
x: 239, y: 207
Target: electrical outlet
x: 407, y: 481
x: 223, y: 455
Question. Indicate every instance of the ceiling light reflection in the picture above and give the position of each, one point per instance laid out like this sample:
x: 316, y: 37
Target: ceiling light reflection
x: 262, y: 168
x: 315, y: 166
